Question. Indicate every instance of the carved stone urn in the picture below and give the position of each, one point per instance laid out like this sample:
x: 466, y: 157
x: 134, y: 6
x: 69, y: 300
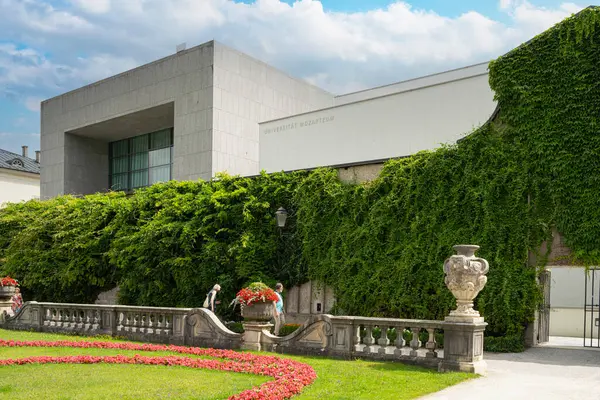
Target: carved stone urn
x: 465, y: 277
x: 6, y: 293
x: 258, y: 312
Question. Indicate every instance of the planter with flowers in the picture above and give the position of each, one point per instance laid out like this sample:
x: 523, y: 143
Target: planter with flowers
x: 256, y: 303
x: 8, y: 286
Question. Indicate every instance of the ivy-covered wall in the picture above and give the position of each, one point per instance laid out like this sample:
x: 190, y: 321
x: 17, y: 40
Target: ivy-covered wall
x: 381, y: 244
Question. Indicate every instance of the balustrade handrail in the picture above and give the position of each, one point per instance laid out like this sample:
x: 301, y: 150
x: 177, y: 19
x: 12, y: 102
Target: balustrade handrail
x: 421, y: 323
x: 109, y: 307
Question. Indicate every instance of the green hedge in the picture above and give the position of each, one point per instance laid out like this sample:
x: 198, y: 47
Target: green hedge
x: 380, y: 245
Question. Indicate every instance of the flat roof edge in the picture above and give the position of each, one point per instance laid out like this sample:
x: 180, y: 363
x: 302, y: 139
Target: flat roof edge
x: 374, y: 98
x: 420, y: 77
x: 131, y: 70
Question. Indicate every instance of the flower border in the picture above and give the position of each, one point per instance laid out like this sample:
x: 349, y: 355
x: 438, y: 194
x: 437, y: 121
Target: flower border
x: 290, y: 376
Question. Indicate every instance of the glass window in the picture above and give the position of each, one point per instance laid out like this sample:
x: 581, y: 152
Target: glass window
x: 160, y: 157
x: 141, y: 160
x: 160, y: 139
x: 139, y: 144
x: 139, y: 178
x: 120, y: 182
x: 120, y: 165
x: 160, y: 174
x: 119, y: 148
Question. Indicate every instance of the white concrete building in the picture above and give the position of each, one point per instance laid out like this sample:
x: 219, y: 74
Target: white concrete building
x: 378, y: 124
x: 197, y: 112
x: 19, y: 177
x: 185, y: 117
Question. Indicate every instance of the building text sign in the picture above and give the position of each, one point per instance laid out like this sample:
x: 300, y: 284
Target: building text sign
x: 302, y: 124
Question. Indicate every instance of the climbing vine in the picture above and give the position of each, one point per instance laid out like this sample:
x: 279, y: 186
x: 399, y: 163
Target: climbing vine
x: 380, y: 244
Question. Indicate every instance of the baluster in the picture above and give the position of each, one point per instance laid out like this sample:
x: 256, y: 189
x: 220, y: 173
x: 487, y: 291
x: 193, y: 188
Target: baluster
x: 383, y: 340
x: 54, y: 317
x: 127, y: 322
x: 431, y: 344
x: 96, y: 320
x: 369, y: 339
x: 358, y: 346
x: 73, y: 318
x: 143, y: 322
x: 59, y: 322
x: 47, y: 317
x: 159, y: 324
x: 120, y: 321
x: 80, y: 319
x: 151, y: 320
x: 415, y: 343
x: 87, y: 320
x: 400, y: 343
x: 168, y: 324
x: 131, y: 323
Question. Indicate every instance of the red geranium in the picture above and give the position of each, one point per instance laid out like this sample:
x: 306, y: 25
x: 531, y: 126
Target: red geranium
x: 8, y: 281
x: 255, y: 293
x: 290, y: 376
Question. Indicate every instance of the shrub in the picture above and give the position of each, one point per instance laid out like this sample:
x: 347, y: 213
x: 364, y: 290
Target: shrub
x: 288, y: 329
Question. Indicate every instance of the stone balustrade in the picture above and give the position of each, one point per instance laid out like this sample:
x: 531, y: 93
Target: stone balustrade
x: 406, y: 340
x: 149, y: 324
x: 354, y: 337
x: 346, y: 337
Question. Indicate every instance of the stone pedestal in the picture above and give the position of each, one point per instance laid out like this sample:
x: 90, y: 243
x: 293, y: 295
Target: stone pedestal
x: 463, y: 347
x: 253, y: 332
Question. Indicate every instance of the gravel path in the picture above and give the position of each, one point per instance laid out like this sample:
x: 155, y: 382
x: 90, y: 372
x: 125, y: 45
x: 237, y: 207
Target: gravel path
x: 550, y: 372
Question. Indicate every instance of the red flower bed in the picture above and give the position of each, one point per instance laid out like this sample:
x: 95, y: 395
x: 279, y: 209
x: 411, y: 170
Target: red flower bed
x: 8, y: 281
x: 290, y: 376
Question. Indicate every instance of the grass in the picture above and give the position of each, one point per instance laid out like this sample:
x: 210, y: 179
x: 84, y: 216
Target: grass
x: 336, y: 379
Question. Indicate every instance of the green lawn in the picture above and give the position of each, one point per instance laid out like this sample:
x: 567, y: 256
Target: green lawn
x: 336, y: 379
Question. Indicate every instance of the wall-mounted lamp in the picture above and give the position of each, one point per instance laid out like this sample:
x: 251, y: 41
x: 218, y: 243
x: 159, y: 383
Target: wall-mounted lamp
x: 281, y: 216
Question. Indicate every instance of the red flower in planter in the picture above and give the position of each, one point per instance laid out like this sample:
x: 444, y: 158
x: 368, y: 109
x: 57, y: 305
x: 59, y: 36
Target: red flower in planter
x: 256, y: 292
x: 289, y: 376
x: 8, y: 281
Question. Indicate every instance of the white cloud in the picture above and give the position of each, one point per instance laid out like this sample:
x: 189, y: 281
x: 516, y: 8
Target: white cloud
x: 33, y: 103
x: 337, y: 50
x: 506, y: 4
x: 93, y: 6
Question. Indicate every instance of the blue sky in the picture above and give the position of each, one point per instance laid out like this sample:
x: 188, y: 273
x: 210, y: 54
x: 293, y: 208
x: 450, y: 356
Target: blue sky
x: 48, y: 47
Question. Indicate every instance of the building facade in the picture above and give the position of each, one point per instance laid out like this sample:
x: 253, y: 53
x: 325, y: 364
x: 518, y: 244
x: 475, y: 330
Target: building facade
x: 184, y: 117
x: 19, y: 177
x: 213, y: 109
x: 378, y: 124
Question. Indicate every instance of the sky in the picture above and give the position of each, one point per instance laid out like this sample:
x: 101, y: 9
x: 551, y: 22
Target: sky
x: 48, y: 47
